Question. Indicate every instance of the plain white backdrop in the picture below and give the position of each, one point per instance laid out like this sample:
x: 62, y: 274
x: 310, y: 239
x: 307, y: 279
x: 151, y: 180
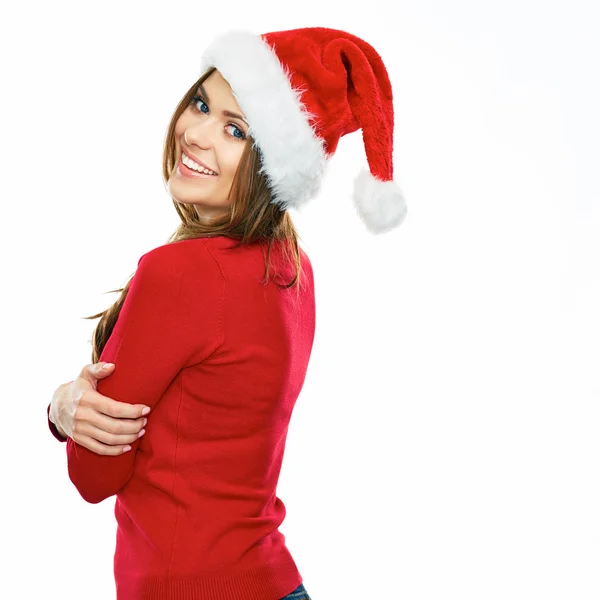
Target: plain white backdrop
x: 445, y: 443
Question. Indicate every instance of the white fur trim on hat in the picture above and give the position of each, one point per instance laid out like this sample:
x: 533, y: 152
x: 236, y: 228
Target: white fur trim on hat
x: 294, y: 158
x: 380, y: 204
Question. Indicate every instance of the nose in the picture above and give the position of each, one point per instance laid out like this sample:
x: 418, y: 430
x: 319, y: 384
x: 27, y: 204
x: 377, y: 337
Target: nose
x: 201, y: 134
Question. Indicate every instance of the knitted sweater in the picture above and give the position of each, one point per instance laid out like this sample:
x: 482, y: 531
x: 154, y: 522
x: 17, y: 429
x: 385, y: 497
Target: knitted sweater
x: 220, y: 358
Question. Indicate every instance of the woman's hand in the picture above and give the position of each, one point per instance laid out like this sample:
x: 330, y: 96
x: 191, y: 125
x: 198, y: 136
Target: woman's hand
x: 94, y: 421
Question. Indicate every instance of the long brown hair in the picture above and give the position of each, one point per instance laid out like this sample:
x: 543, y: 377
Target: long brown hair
x: 252, y: 218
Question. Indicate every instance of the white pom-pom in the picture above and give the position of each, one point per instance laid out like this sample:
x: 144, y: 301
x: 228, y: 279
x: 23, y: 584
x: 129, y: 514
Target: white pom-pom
x: 380, y: 204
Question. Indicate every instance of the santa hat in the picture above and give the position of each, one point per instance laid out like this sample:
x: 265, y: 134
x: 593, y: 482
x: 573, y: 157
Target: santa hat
x: 301, y: 90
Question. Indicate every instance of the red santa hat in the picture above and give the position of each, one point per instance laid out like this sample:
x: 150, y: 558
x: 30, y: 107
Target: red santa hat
x: 301, y: 90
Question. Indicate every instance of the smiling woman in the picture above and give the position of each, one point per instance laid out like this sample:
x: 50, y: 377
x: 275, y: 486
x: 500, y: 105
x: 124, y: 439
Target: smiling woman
x: 218, y: 353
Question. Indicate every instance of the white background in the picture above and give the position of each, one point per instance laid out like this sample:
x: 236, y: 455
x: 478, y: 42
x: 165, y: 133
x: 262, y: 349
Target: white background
x: 445, y: 444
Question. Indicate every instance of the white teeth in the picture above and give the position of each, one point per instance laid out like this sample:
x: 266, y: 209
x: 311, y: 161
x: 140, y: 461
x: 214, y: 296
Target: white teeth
x: 188, y: 162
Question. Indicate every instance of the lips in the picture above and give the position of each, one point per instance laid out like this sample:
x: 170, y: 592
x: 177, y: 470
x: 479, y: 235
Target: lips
x: 187, y: 172
x: 197, y: 161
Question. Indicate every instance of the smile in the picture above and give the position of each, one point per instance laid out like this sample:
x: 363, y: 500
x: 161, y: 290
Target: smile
x: 186, y: 171
x: 189, y: 162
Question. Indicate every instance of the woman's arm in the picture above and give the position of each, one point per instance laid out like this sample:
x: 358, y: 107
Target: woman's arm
x: 171, y: 318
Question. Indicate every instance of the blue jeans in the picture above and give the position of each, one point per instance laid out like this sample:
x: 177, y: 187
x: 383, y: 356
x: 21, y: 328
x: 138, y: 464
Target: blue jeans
x: 299, y: 593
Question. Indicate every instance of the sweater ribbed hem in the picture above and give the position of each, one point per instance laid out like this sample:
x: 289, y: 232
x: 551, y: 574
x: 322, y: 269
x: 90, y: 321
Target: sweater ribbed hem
x: 267, y: 582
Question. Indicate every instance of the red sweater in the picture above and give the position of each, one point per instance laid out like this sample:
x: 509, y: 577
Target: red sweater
x: 220, y: 358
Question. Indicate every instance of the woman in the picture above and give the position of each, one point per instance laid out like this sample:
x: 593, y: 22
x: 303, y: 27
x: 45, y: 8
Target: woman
x: 215, y: 348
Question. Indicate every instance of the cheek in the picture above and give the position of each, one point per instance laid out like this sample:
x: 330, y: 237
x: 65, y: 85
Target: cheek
x: 233, y: 160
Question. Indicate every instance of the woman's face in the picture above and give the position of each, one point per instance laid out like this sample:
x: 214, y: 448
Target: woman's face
x: 208, y: 135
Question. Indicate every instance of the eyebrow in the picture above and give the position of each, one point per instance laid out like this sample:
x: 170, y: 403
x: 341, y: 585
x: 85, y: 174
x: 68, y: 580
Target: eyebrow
x: 227, y: 113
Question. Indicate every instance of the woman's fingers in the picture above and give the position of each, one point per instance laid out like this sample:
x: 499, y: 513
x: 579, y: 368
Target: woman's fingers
x: 108, y: 414
x: 94, y: 371
x: 91, y: 444
x: 118, y: 410
x: 107, y: 429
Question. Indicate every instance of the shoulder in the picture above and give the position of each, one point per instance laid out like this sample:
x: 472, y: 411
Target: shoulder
x: 179, y: 270
x: 184, y: 257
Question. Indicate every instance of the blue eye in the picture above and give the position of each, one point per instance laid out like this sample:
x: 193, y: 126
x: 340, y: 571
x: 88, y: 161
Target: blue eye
x: 242, y: 136
x: 198, y: 99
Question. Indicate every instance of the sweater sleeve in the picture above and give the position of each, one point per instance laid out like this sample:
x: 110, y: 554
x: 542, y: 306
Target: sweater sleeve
x: 170, y: 319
